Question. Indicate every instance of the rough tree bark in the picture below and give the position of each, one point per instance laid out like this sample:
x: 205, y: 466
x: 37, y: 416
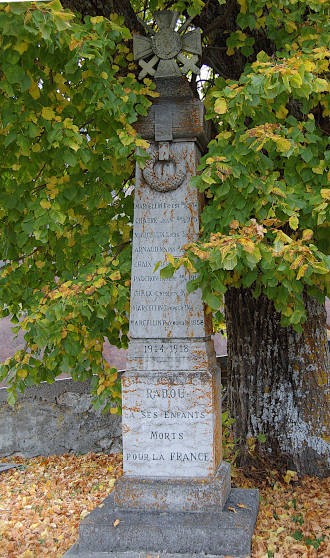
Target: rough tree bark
x: 277, y: 381
x: 277, y: 378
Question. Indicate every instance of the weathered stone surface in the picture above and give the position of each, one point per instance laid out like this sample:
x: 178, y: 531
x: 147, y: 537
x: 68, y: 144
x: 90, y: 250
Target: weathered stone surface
x: 7, y: 466
x: 164, y: 221
x: 170, y: 354
x: 195, y: 494
x: 55, y: 419
x: 74, y: 552
x: 171, y: 423
x: 190, y: 534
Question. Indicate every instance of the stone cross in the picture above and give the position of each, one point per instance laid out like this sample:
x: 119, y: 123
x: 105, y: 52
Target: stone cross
x: 171, y: 498
x: 165, y: 46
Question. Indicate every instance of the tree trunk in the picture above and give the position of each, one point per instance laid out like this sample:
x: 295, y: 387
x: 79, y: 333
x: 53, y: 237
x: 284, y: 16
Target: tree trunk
x: 277, y: 382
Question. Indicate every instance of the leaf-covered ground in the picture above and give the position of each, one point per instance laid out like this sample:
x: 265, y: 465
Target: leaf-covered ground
x: 42, y: 503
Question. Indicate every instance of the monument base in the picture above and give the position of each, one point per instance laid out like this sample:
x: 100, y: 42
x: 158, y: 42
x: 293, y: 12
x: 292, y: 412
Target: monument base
x: 188, y: 494
x: 111, y: 532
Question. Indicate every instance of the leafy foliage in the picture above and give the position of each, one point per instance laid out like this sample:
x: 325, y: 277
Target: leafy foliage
x: 68, y: 101
x: 69, y: 97
x: 265, y: 174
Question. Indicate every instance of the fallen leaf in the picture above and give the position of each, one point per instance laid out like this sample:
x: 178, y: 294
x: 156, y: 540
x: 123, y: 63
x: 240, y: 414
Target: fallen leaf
x: 116, y: 522
x: 232, y: 509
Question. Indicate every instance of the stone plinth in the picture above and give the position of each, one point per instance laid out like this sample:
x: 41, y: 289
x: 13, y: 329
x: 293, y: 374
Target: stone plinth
x: 179, y: 494
x: 167, y: 534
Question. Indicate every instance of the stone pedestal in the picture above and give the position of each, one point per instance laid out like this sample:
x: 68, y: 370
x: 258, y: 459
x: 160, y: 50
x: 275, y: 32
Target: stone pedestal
x: 174, y: 496
x: 168, y: 534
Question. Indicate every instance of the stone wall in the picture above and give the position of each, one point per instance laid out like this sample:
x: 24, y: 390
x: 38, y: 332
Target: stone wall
x: 55, y: 419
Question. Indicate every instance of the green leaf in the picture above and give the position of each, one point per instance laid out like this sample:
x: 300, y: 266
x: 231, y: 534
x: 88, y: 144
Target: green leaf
x: 167, y: 271
x: 213, y: 301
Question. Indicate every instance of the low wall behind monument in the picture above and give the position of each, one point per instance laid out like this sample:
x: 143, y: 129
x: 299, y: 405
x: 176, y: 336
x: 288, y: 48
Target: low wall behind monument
x: 54, y: 419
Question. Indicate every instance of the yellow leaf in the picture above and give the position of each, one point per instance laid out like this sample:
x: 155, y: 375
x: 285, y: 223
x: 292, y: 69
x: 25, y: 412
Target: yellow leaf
x: 243, y: 506
x: 283, y: 144
x: 115, y: 276
x: 142, y: 143
x: 282, y: 112
x: 293, y: 222
x: 96, y: 19
x: 104, y: 75
x: 40, y: 264
x: 242, y: 3
x: 290, y: 475
x: 170, y: 259
x: 247, y: 244
x: 279, y: 192
x: 325, y: 193
x: 101, y: 270
x: 307, y: 234
x: 116, y: 522
x: 220, y: 106
x: 234, y: 224
x: 22, y: 373
x: 45, y: 204
x: 290, y: 26
x: 34, y: 91
x: 21, y: 47
x: 100, y: 389
x: 231, y: 509
x: 99, y: 283
x: 114, y: 410
x: 47, y: 113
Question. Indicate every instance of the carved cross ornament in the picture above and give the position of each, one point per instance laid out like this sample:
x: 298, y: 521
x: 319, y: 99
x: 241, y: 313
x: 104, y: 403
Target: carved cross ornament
x: 161, y: 54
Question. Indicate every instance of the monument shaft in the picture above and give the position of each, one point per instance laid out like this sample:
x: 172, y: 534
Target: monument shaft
x: 171, y: 389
